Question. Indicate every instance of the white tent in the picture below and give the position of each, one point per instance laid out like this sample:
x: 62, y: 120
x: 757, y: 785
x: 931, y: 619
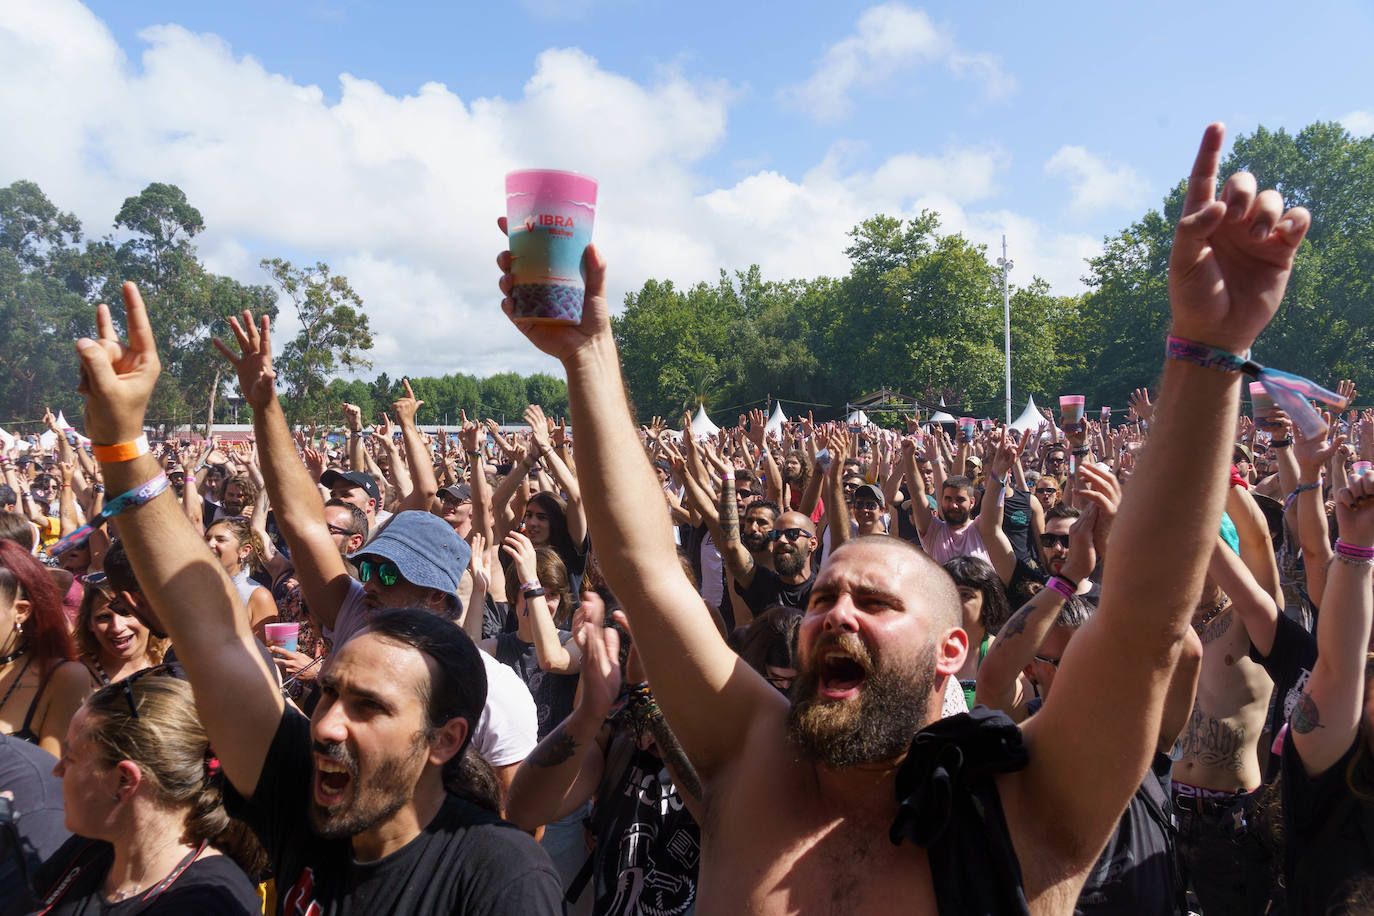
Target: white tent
x: 775, y: 421
x: 702, y: 425
x: 857, y: 418
x: 941, y: 416
x: 1030, y: 418
x: 62, y: 423
x: 47, y: 440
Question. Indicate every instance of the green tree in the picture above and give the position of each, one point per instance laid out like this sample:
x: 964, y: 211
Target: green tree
x: 334, y: 333
x: 548, y: 392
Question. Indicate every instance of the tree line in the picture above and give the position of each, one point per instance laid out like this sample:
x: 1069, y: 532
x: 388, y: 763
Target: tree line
x: 919, y: 312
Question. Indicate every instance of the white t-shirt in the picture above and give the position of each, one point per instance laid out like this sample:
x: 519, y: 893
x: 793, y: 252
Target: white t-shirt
x: 509, y: 727
x: 712, y: 572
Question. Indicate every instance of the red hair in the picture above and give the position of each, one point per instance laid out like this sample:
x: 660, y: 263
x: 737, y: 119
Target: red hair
x: 45, y: 631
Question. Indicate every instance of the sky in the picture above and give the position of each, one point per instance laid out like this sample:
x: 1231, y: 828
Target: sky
x: 375, y: 136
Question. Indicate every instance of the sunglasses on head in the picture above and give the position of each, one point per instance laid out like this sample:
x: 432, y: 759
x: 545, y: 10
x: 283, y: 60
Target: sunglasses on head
x: 1051, y: 540
x: 387, y: 572
x: 344, y: 532
x: 164, y: 670
x: 792, y: 534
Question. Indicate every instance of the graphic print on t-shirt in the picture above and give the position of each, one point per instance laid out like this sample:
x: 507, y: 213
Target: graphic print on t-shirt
x: 649, y: 865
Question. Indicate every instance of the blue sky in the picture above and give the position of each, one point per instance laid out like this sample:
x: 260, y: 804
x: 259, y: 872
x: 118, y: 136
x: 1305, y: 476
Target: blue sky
x: 723, y: 134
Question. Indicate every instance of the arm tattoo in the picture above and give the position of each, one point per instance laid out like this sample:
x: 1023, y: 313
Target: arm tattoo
x: 556, y: 749
x: 1306, y: 717
x: 683, y: 773
x: 1017, y: 624
x: 729, y: 513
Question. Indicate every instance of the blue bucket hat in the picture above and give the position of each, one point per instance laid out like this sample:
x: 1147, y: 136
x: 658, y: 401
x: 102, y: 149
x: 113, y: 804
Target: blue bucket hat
x: 424, y: 547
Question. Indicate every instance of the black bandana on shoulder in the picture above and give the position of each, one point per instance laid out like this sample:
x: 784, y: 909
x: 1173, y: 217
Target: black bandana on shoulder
x: 948, y: 804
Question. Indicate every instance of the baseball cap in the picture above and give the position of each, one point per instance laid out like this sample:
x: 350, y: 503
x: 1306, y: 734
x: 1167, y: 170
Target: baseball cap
x: 458, y: 491
x: 1243, y: 449
x: 868, y: 491
x: 356, y: 478
x: 424, y: 547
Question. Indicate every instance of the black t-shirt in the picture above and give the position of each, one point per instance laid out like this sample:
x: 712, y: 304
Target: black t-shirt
x: 1289, y: 665
x: 36, y: 805
x: 467, y: 860
x: 768, y: 589
x: 647, y: 844
x: 1328, y: 833
x: 210, y: 886
x: 553, y: 693
x: 1137, y: 871
x: 1016, y: 525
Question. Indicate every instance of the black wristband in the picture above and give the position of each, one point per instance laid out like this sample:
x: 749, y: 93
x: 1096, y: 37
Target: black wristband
x: 1081, y: 451
x: 1281, y: 443
x: 533, y: 593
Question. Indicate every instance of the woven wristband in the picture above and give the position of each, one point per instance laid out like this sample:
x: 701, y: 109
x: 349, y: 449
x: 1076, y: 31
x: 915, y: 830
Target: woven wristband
x: 1354, y: 551
x: 1061, y: 586
x: 122, y: 451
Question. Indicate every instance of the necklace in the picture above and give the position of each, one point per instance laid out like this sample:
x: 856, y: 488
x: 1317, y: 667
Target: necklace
x: 156, y: 890
x: 1211, y: 614
x: 28, y: 661
x: 6, y: 659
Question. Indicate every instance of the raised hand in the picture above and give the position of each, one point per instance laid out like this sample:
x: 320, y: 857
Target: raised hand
x: 406, y: 406
x: 1141, y: 407
x: 1355, y: 510
x: 469, y: 433
x: 314, y: 461
x: 353, y: 417
x: 1093, y: 486
x: 600, y: 645
x: 1313, y: 453
x: 539, y: 428
x: 563, y: 341
x: 561, y: 438
x: 253, y: 364
x: 117, y: 378
x: 1231, y: 256
x: 756, y: 429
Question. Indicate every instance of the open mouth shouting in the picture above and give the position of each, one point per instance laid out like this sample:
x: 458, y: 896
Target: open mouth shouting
x: 843, y: 667
x: 333, y: 777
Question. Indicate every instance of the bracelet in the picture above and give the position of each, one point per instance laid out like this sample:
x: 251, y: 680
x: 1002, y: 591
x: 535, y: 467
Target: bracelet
x: 1062, y: 586
x: 531, y: 593
x: 1083, y: 450
x: 1208, y: 357
x: 1282, y: 443
x: 474, y: 454
x: 1301, y: 488
x: 529, y: 586
x: 1353, y: 561
x: 135, y: 497
x: 1354, y: 551
x: 121, y: 451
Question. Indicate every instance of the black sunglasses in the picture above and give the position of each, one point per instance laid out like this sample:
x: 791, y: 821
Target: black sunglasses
x: 792, y: 534
x: 344, y: 532
x: 1046, y: 490
x: 869, y: 504
x: 1050, y: 540
x: 387, y: 572
x: 127, y: 684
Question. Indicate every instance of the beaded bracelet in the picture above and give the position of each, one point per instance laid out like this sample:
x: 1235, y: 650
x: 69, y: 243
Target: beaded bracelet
x: 1354, y: 551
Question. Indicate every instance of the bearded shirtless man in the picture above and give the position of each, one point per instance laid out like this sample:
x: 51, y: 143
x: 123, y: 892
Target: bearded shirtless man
x: 798, y: 799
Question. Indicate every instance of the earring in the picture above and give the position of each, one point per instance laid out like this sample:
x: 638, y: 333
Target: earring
x: 19, y: 627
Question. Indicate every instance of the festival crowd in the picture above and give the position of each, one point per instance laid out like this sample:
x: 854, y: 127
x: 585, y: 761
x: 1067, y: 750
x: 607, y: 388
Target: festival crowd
x: 599, y: 666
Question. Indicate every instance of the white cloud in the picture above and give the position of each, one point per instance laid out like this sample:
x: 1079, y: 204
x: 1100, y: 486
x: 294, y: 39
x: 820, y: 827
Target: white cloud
x: 1359, y: 123
x: 888, y: 40
x: 400, y: 193
x: 1096, y: 185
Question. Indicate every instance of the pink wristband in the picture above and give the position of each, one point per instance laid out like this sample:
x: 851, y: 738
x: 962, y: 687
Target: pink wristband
x: 1354, y: 552
x: 1060, y: 586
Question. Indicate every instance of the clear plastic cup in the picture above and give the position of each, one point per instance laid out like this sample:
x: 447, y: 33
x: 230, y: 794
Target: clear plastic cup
x: 966, y: 427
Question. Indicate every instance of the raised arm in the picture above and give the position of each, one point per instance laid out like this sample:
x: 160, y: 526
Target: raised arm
x: 916, y: 484
x: 564, y: 770
x: 1228, y: 270
x: 1327, y: 717
x: 562, y: 474
x: 418, y: 456
x: 990, y: 517
x: 300, y: 512
x: 1310, y: 508
x: 353, y: 422
x: 710, y: 695
x: 1256, y: 608
x: 836, y: 512
x: 236, y: 695
x: 551, y: 653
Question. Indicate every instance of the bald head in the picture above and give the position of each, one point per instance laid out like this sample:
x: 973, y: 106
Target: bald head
x: 794, y: 520
x: 916, y: 576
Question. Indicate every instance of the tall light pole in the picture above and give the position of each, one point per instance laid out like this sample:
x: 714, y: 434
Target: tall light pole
x: 1005, y: 264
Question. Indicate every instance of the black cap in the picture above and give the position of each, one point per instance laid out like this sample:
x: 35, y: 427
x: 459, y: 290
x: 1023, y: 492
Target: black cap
x: 458, y: 491
x: 356, y: 478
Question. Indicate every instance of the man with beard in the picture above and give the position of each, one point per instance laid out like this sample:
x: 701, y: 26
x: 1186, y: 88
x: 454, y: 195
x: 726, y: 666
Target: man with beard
x: 800, y: 800
x: 416, y: 560
x: 957, y: 534
x: 351, y: 804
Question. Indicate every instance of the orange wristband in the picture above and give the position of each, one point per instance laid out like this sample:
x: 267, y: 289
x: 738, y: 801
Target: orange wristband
x: 123, y: 451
